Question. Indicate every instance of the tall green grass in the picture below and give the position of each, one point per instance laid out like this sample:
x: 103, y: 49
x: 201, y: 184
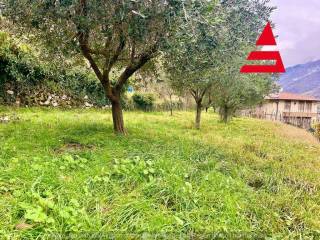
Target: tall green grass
x: 64, y: 174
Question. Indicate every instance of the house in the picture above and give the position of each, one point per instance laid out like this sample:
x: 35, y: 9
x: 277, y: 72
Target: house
x: 299, y: 110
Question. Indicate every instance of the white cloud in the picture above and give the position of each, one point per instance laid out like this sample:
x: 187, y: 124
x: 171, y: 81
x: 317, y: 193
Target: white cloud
x: 298, y: 27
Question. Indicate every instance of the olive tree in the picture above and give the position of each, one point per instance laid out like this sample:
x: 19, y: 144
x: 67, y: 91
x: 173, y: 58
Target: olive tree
x: 116, y: 37
x: 234, y: 91
x: 213, y: 34
x: 188, y: 60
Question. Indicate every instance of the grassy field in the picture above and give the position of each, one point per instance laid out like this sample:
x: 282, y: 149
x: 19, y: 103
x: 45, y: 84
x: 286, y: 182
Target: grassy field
x: 64, y: 173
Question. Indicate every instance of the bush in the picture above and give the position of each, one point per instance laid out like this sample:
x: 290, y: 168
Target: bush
x: 127, y: 103
x: 317, y: 130
x: 167, y: 105
x: 143, y: 101
x: 25, y: 80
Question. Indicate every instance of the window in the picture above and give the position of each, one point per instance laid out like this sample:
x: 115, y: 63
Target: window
x: 287, y: 105
x: 308, y: 107
x: 301, y: 106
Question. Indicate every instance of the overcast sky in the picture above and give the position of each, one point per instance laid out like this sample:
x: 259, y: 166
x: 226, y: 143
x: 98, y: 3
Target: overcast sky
x: 297, y: 24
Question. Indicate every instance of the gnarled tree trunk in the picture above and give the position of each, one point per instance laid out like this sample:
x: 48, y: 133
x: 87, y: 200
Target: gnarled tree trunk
x: 225, y: 116
x: 225, y: 113
x: 171, y: 106
x: 198, y: 97
x: 198, y: 113
x: 117, y: 116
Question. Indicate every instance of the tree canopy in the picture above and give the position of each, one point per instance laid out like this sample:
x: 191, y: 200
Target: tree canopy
x: 198, y: 41
x: 110, y: 34
x: 207, y: 43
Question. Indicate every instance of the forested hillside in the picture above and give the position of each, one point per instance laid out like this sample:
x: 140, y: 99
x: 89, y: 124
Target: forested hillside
x: 303, y: 79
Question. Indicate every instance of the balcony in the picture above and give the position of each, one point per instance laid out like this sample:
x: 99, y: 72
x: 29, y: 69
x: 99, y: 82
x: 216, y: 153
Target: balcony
x: 300, y: 114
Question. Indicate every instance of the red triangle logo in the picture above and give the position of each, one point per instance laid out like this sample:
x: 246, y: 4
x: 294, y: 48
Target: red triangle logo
x: 267, y: 37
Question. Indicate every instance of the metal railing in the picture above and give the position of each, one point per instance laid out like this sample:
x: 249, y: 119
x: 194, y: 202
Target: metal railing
x: 299, y: 119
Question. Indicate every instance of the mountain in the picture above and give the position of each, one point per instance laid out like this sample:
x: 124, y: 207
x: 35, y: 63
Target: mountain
x: 302, y: 79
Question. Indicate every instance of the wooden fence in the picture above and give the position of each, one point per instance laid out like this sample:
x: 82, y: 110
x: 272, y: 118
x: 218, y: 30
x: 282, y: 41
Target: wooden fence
x: 302, y: 120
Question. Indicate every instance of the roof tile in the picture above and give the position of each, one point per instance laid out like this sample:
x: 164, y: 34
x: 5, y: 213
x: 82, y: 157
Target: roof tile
x: 291, y: 96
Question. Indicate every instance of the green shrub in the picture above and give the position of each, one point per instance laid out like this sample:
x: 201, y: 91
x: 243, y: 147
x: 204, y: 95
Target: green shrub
x: 127, y: 103
x: 143, y: 101
x: 317, y: 130
x: 167, y: 105
x: 29, y: 81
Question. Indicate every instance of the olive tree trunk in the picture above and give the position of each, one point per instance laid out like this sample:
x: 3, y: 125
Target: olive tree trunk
x: 171, y: 106
x: 198, y: 114
x: 225, y: 116
x: 117, y: 115
x: 225, y: 113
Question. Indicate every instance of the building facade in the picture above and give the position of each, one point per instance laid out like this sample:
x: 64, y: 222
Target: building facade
x: 299, y: 110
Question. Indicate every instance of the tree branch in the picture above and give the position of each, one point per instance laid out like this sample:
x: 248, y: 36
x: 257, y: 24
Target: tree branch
x: 86, y: 53
x: 133, y: 51
x: 193, y: 93
x: 112, y: 60
x: 134, y: 66
x: 83, y: 38
x: 204, y: 92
